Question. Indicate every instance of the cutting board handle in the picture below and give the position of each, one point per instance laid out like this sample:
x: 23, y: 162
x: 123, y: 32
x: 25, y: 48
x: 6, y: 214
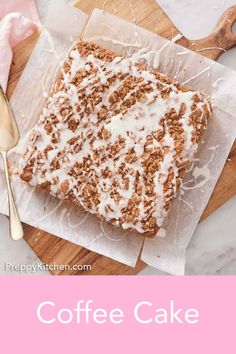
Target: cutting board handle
x: 220, y: 40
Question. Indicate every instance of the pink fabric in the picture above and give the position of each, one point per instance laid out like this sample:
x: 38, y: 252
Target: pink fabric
x: 18, y: 20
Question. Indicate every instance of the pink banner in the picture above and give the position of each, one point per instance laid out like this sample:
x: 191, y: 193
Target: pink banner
x: 117, y: 314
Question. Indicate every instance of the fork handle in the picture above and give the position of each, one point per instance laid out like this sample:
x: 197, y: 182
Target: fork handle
x: 16, y: 229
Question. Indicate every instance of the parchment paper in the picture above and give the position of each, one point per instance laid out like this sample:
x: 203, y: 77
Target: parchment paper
x: 72, y: 223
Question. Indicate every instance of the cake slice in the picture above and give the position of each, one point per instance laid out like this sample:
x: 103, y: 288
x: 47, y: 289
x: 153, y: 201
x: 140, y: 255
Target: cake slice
x: 115, y: 137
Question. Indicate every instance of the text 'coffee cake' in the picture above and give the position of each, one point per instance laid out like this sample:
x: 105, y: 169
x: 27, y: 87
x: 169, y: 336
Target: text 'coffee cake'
x: 115, y: 137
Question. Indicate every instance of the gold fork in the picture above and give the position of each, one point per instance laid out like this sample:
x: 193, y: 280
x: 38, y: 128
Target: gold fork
x: 9, y: 137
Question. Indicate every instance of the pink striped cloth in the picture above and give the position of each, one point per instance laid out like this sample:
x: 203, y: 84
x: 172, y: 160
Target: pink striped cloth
x: 18, y: 20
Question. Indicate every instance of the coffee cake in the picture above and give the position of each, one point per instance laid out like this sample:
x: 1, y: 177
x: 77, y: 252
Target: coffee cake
x: 115, y: 137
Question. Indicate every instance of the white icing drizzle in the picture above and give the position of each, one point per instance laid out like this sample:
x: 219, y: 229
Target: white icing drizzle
x: 189, y: 205
x: 177, y: 71
x: 116, y: 41
x: 198, y: 74
x: 157, y: 25
x: 185, y: 52
x: 177, y: 37
x: 104, y: 233
x: 52, y: 211
x: 157, y: 53
x: 79, y: 223
x: 217, y: 82
x: 132, y: 10
x: 203, y: 172
x: 63, y: 213
x: 45, y: 94
x: 211, y: 48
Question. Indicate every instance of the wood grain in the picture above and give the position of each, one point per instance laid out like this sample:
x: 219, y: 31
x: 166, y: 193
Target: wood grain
x: 149, y: 15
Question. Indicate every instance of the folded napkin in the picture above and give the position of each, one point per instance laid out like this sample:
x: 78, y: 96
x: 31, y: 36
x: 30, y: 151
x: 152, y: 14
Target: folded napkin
x: 18, y: 20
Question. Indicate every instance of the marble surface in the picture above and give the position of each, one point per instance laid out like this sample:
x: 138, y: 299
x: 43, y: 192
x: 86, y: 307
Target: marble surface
x: 212, y: 249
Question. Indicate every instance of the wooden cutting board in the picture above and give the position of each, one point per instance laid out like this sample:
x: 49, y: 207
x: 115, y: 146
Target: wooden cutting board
x: 147, y: 14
